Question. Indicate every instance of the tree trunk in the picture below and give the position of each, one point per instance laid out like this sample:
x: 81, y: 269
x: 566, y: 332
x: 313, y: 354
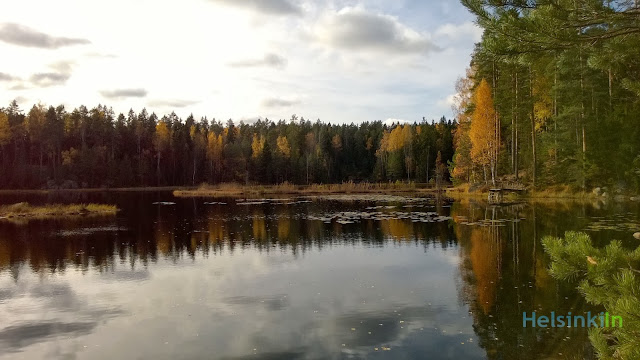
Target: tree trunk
x: 496, y: 135
x: 515, y: 148
x: 513, y: 139
x: 193, y: 181
x: 610, y: 89
x: 582, y: 120
x: 428, y: 151
x: 533, y: 131
x: 158, y: 169
x: 307, y: 169
x: 493, y: 173
x: 555, y: 115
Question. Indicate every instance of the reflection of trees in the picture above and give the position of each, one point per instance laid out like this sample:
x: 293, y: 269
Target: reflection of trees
x: 485, y: 262
x: 173, y: 232
x: 284, y: 227
x: 398, y: 229
x: 259, y: 226
x: 504, y: 274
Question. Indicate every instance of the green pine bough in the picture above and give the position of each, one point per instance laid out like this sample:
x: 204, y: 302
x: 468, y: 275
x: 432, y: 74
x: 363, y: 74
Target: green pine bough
x: 606, y: 276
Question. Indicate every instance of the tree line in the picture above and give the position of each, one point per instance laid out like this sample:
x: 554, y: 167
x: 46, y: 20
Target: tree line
x: 552, y: 95
x: 53, y: 147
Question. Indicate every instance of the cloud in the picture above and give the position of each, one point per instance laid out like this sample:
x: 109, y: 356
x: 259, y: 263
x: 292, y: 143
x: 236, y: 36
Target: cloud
x: 100, y: 55
x: 172, y: 103
x: 64, y: 67
x: 123, y: 93
x: 19, y: 86
x: 271, y: 60
x: 7, y: 77
x: 279, y: 102
x: 24, y: 36
x: 448, y: 101
x: 357, y: 29
x: 268, y: 7
x: 47, y: 79
x: 392, y: 121
x: 21, y: 99
x: 464, y: 31
x: 60, y: 76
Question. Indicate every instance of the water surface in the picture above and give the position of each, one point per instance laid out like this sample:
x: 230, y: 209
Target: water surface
x: 339, y: 278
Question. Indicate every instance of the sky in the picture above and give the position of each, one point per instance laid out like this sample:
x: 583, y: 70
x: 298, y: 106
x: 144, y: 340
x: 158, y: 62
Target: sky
x: 335, y: 60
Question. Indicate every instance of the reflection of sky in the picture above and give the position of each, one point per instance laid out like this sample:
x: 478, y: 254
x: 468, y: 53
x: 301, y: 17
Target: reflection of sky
x: 401, y: 297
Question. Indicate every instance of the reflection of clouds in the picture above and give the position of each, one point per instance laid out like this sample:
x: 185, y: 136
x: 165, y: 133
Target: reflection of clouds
x: 126, y: 275
x: 16, y: 337
x: 274, y: 302
x: 282, y: 305
x: 290, y: 355
x: 321, y: 310
x: 47, y: 310
x: 270, y: 296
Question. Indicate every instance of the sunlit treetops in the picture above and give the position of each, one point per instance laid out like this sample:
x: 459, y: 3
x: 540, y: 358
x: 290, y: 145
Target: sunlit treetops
x: 52, y: 147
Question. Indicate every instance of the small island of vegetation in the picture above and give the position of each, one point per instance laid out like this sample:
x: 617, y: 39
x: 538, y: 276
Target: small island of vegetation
x: 48, y: 211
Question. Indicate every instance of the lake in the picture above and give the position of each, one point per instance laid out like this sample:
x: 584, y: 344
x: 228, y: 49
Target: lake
x: 338, y: 277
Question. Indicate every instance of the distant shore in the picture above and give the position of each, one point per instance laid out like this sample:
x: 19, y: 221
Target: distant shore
x: 556, y: 192
x: 313, y: 189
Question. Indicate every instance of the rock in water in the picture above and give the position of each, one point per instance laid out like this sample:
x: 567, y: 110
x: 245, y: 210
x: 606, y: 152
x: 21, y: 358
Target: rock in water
x: 637, y: 235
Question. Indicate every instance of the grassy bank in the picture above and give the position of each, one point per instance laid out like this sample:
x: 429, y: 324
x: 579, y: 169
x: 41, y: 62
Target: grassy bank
x: 561, y: 192
x: 556, y: 192
x: 25, y: 210
x: 291, y: 189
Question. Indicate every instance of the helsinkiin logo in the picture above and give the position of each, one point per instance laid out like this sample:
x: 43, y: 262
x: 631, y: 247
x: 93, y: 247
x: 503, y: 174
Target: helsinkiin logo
x: 598, y: 320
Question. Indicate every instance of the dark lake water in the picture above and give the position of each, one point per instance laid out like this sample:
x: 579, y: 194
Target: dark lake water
x: 337, y: 278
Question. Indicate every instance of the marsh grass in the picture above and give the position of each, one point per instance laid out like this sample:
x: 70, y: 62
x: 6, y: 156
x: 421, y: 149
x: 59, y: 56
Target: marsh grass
x: 557, y: 192
x: 25, y: 210
x: 235, y: 189
x: 562, y: 192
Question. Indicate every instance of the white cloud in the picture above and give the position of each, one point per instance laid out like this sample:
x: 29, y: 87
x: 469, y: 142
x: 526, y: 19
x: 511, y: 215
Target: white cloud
x: 270, y: 60
x: 123, y: 93
x: 392, y: 121
x: 447, y: 101
x: 21, y: 35
x: 268, y: 7
x: 321, y: 60
x: 274, y: 102
x: 356, y: 29
x: 464, y: 31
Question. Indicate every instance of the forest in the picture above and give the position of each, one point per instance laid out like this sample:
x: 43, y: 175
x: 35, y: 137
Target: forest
x: 552, y: 95
x: 50, y: 147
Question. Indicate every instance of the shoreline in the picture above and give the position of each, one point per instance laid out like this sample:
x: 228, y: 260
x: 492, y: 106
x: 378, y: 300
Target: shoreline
x: 561, y: 192
x: 313, y: 189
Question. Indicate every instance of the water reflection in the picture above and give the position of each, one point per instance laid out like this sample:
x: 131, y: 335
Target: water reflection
x: 287, y: 279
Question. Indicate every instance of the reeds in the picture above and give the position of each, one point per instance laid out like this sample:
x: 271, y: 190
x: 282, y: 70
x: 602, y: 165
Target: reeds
x: 25, y: 210
x: 235, y: 189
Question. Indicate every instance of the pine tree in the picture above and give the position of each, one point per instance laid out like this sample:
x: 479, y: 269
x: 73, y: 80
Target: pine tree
x: 608, y: 277
x: 5, y: 138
